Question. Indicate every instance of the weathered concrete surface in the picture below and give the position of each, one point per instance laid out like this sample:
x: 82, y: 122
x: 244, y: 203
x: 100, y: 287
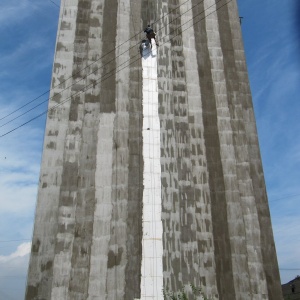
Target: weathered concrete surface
x: 216, y: 229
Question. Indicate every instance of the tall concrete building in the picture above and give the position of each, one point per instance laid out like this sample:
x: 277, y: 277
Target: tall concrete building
x: 151, y: 176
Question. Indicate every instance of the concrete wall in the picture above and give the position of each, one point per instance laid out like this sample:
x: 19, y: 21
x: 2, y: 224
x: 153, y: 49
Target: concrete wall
x: 87, y: 241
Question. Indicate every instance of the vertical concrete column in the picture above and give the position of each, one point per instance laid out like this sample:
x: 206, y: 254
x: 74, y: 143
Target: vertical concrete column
x: 217, y: 201
x: 103, y: 181
x: 202, y: 209
x: 233, y: 53
x: 77, y: 194
x: 40, y: 272
x: 172, y: 87
x: 135, y: 163
x: 117, y: 257
x: 235, y: 220
x: 187, y: 273
x: 103, y: 209
x: 265, y: 278
x: 169, y: 174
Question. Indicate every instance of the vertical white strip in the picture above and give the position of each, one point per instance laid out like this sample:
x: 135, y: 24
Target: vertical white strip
x: 152, y: 269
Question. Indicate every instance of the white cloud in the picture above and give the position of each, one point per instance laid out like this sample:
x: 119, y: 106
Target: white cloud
x: 13, y: 272
x: 22, y: 250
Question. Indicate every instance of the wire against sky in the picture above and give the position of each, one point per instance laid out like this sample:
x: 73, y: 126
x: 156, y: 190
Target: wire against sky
x: 285, y: 197
x: 55, y: 3
x: 114, y: 70
x: 76, y: 82
x: 61, y: 83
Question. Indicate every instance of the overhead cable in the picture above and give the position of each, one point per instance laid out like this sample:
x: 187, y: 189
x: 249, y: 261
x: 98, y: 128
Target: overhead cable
x: 64, y: 81
x: 84, y: 77
x: 114, y: 70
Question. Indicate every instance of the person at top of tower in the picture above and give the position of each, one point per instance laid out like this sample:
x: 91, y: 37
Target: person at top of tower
x: 150, y: 34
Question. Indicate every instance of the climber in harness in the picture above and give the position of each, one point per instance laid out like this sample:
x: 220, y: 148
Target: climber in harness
x: 150, y: 34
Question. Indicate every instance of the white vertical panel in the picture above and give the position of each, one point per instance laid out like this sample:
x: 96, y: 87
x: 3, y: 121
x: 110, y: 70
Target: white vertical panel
x: 152, y: 269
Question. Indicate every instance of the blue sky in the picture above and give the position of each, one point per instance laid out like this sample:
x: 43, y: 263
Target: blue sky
x: 271, y: 34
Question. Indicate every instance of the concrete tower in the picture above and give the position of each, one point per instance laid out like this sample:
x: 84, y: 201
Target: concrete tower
x: 151, y: 175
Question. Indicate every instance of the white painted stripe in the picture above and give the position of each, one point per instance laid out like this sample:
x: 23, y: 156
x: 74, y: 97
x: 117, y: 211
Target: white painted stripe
x: 152, y: 269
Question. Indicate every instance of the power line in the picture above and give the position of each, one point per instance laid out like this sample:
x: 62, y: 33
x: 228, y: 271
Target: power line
x: 27, y: 111
x: 285, y: 197
x: 116, y: 71
x: 31, y: 109
x: 54, y: 3
x: 46, y: 92
x: 97, y: 68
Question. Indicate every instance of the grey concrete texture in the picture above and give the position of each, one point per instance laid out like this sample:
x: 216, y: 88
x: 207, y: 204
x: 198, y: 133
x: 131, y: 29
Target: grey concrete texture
x: 217, y: 230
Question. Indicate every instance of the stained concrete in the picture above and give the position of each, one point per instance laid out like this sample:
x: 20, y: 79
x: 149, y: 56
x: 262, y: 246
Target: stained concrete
x: 216, y: 228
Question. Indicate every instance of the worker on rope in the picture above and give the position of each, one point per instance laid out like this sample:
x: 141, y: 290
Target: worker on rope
x: 150, y: 34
